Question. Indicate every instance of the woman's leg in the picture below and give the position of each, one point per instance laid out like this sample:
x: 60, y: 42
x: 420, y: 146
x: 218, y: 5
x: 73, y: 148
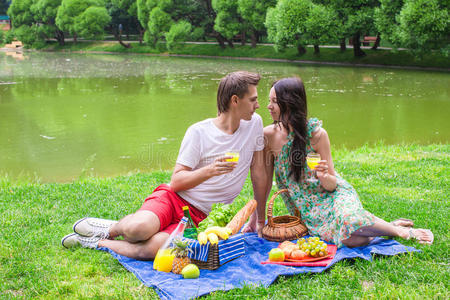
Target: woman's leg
x: 383, y: 228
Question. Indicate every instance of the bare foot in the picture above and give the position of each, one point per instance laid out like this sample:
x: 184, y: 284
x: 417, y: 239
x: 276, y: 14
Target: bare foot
x: 403, y: 222
x: 423, y: 236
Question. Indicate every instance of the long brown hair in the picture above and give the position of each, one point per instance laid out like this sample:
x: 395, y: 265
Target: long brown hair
x: 291, y: 98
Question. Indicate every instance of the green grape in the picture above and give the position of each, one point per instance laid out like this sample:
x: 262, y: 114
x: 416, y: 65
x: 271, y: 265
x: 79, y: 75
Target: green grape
x: 321, y: 253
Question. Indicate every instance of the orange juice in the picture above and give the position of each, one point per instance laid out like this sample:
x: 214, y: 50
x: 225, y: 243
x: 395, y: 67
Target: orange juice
x: 235, y: 156
x: 163, y: 260
x: 312, y: 162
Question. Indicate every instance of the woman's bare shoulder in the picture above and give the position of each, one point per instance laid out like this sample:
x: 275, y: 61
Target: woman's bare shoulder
x: 270, y: 130
x: 319, y: 135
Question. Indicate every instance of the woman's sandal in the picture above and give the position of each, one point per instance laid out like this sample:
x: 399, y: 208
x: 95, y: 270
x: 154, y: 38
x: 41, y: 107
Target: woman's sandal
x: 420, y: 240
x: 405, y: 222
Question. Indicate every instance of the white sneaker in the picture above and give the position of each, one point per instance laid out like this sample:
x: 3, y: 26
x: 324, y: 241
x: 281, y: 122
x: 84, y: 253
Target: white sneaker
x: 93, y: 227
x: 73, y: 240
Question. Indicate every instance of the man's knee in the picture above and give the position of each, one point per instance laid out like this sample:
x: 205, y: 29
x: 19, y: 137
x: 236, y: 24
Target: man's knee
x: 141, y: 224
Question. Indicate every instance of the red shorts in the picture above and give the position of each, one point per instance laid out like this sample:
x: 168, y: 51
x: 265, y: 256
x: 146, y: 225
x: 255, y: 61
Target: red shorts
x: 168, y: 206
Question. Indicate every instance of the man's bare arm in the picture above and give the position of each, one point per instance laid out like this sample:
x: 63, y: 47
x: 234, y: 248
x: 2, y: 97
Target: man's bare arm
x: 184, y: 178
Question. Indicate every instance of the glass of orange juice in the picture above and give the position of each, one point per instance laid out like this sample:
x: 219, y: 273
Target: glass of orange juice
x: 163, y: 260
x: 234, y: 154
x: 312, y: 160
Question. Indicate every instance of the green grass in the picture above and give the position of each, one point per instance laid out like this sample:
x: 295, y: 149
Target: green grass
x: 377, y: 57
x: 393, y: 181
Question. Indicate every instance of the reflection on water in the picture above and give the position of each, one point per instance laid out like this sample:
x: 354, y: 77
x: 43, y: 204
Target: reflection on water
x: 64, y: 115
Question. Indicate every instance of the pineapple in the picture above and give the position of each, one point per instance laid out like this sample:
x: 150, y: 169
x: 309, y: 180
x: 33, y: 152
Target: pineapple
x: 180, y: 251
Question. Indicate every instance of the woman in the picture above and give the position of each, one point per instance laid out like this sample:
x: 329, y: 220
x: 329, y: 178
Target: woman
x: 329, y: 205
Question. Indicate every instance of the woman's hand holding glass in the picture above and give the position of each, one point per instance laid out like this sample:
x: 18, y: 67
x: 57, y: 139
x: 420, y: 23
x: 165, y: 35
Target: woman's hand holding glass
x: 322, y: 170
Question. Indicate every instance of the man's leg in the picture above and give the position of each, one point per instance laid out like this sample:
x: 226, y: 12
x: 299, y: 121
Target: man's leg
x: 137, y: 227
x: 145, y: 250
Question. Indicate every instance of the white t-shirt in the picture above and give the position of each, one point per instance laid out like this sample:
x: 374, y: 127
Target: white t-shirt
x: 203, y: 143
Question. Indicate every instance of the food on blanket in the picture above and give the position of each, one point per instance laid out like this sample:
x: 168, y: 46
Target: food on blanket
x: 213, y: 238
x: 220, y: 215
x: 286, y: 244
x: 202, y: 238
x: 222, y: 232
x: 190, y: 271
x: 180, y: 251
x: 164, y: 260
x: 288, y: 251
x: 313, y: 246
x: 298, y: 254
x: 276, y: 254
x: 241, y: 217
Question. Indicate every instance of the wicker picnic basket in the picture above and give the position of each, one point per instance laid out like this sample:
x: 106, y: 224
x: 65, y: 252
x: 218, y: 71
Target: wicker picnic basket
x: 213, y: 259
x: 283, y: 228
x: 235, y: 225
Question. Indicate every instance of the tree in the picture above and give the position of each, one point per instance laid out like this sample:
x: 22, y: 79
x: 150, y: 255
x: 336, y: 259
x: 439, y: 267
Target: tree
x: 20, y: 13
x: 286, y: 23
x: 159, y: 23
x: 45, y: 14
x: 125, y: 12
x: 321, y: 26
x: 254, y: 13
x: 178, y: 32
x: 92, y: 22
x: 423, y: 26
x: 74, y: 17
x: 227, y: 21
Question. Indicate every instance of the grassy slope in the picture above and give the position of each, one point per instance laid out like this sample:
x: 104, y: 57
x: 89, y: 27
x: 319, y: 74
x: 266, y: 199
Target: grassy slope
x: 378, y: 57
x: 393, y: 181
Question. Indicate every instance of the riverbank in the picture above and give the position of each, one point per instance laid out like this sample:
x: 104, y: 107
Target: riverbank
x: 332, y: 56
x: 393, y: 181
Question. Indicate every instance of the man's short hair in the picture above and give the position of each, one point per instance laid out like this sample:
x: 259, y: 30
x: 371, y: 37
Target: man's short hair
x: 235, y: 83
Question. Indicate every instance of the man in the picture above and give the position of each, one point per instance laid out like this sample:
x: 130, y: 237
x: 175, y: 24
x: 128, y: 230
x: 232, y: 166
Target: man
x: 202, y: 176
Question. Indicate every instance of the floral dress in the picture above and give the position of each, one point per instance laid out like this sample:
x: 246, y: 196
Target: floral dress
x: 333, y: 216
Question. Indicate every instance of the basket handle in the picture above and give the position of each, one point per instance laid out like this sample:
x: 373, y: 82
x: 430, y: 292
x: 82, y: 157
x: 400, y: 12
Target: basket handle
x: 270, y: 207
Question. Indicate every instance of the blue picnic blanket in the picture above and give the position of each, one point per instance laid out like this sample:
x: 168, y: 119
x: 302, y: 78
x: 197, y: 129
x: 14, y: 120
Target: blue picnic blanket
x: 245, y: 270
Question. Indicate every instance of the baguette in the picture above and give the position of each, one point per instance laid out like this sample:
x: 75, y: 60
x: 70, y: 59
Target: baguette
x: 241, y: 217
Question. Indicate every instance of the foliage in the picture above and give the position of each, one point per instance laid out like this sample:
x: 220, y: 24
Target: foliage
x: 9, y: 37
x: 321, y: 25
x: 178, y: 32
x: 198, y: 34
x: 91, y: 23
x: 159, y: 23
x: 2, y: 36
x: 220, y: 215
x: 287, y: 23
x: 26, y: 34
x: 227, y: 20
x: 254, y: 14
x: 423, y: 25
x: 20, y: 13
x: 385, y: 18
x: 82, y: 17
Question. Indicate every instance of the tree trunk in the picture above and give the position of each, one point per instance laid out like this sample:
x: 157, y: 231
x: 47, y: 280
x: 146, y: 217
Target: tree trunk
x: 230, y: 43
x: 75, y: 38
x: 220, y: 40
x: 377, y: 42
x: 357, y: 51
x: 243, y: 38
x: 316, y: 49
x: 343, y: 46
x: 301, y: 50
x: 59, y: 35
x: 141, y: 35
x: 118, y: 37
x: 254, y: 39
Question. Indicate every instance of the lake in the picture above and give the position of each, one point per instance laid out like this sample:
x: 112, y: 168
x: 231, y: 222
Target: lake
x: 63, y: 116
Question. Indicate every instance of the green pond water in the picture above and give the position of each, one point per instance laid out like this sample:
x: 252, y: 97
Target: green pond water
x: 63, y: 116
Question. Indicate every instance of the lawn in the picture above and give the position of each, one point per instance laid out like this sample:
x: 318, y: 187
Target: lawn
x: 393, y: 181
x: 333, y: 55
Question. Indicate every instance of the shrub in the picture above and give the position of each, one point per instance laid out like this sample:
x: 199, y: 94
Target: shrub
x: 178, y: 32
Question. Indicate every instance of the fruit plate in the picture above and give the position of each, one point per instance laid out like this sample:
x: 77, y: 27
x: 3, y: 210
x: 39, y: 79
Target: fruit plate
x: 309, y: 258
